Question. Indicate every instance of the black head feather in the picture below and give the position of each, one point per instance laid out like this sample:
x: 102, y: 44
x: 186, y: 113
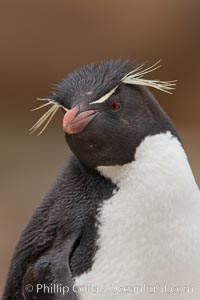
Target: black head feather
x: 90, y: 82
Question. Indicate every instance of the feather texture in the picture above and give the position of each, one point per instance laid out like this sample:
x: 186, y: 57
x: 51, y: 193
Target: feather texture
x: 47, y: 116
x: 136, y: 77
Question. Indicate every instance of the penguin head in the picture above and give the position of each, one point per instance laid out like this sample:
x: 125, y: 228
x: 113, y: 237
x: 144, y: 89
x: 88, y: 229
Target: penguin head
x: 107, y: 115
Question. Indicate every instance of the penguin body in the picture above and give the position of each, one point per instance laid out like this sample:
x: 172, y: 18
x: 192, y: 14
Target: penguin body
x: 145, y: 236
x: 124, y: 214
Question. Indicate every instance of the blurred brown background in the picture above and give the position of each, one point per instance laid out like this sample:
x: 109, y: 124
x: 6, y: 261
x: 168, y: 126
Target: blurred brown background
x: 41, y: 41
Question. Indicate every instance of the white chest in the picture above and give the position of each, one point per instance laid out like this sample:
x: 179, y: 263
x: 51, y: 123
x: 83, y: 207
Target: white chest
x: 149, y: 232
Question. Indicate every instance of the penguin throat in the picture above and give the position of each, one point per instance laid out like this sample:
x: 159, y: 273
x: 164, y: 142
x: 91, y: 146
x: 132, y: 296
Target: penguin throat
x: 160, y: 176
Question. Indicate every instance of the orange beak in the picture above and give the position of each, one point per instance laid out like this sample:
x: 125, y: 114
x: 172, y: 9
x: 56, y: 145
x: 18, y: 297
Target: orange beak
x: 74, y: 123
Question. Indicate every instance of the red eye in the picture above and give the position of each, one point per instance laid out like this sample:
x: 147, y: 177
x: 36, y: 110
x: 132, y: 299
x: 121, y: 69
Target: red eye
x: 115, y: 106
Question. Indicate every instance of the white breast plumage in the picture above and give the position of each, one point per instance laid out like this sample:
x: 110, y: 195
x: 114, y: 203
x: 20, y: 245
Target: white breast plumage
x: 149, y: 232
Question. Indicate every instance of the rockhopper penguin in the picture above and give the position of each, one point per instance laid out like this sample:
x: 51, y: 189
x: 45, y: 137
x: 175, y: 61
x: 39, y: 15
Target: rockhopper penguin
x: 122, y: 220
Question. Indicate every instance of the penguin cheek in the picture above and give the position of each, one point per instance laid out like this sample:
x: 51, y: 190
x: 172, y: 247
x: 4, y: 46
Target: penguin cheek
x: 100, y: 143
x: 89, y: 146
x: 81, y: 145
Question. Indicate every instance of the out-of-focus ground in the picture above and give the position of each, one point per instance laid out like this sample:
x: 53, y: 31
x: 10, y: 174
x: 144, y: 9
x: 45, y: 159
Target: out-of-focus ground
x: 41, y: 41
